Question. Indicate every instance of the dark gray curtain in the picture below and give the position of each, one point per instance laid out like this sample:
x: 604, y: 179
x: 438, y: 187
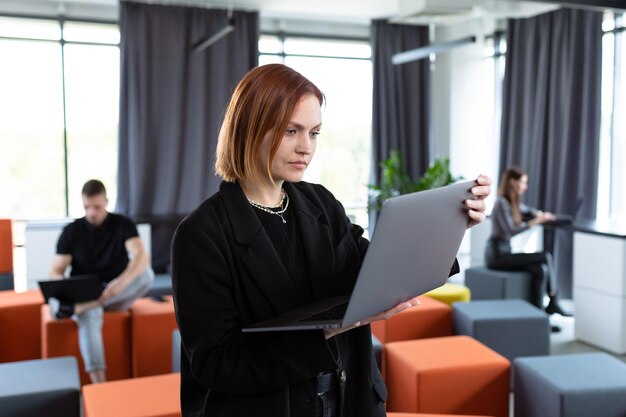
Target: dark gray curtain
x: 551, y: 114
x: 171, y: 104
x: 401, y: 102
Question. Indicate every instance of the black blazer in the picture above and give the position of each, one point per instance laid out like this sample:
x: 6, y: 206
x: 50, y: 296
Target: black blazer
x: 226, y: 274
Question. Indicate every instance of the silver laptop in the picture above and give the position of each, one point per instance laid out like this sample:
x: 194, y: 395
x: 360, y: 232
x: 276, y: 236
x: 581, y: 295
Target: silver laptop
x: 411, y: 252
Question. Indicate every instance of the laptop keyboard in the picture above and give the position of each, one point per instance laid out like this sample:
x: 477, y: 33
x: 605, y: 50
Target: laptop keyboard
x: 334, y: 313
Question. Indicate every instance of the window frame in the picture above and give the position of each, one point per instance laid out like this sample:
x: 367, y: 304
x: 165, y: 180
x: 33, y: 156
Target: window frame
x: 282, y: 36
x: 619, y: 32
x: 61, y: 21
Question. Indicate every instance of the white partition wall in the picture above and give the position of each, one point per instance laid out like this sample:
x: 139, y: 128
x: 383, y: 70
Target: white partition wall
x: 479, y: 235
x: 528, y: 241
x: 40, y: 244
x: 600, y: 290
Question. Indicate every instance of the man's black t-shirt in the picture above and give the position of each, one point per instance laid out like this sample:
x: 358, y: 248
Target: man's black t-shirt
x: 100, y: 249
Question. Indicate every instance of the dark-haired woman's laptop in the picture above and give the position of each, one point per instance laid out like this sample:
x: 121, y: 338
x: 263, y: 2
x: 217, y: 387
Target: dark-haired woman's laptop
x: 568, y: 219
x: 76, y: 289
x: 412, y: 251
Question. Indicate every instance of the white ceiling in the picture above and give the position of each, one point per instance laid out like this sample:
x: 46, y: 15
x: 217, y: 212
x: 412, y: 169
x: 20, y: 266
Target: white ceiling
x: 348, y: 11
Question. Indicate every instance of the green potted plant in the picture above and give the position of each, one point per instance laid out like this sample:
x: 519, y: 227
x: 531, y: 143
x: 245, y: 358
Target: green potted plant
x: 395, y: 180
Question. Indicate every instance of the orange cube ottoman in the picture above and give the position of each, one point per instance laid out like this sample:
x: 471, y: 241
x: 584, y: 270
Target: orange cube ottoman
x: 453, y: 375
x: 151, y: 396
x: 6, y: 246
x: 430, y: 318
x: 60, y: 338
x: 20, y: 325
x: 151, y: 326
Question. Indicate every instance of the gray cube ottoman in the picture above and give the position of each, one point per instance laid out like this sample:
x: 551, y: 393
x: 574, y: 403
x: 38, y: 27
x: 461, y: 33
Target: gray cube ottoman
x: 6, y: 281
x: 42, y: 388
x: 176, y: 350
x: 378, y: 352
x: 492, y: 284
x: 161, y: 286
x: 513, y: 328
x: 575, y: 385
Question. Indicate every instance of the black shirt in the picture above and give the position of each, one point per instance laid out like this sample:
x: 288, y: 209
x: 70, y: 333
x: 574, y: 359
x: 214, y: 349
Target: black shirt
x: 100, y: 249
x: 285, y: 237
x: 286, y: 240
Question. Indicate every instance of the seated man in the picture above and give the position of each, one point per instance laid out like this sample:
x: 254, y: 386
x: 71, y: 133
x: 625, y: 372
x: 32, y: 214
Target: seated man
x: 109, y: 246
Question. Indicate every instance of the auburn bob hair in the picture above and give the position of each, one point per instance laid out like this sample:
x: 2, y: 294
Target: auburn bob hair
x: 263, y: 103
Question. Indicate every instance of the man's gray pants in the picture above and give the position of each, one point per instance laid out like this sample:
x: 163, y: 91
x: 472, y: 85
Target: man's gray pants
x: 90, y: 321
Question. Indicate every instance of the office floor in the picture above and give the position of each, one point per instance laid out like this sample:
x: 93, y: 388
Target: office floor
x: 564, y: 342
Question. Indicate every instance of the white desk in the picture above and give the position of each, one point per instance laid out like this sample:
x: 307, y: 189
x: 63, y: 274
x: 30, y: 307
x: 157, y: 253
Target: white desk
x: 529, y: 241
x: 600, y: 284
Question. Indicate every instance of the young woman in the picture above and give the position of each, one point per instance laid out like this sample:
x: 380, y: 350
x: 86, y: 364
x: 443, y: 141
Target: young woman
x: 266, y: 243
x: 510, y: 217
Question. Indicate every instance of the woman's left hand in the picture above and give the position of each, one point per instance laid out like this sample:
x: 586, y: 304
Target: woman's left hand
x: 476, y: 207
x: 328, y: 333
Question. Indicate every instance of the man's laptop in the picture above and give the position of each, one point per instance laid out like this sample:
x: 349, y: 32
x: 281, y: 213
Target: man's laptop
x: 76, y: 289
x: 411, y: 252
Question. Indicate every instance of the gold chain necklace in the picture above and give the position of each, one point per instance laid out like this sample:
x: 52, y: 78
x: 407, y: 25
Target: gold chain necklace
x: 279, y: 213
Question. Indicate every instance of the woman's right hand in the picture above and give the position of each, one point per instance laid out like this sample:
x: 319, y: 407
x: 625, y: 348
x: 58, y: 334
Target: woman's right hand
x: 542, y: 217
x: 328, y: 333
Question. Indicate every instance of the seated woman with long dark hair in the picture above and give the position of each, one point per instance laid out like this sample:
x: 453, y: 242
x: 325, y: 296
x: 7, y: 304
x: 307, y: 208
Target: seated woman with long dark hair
x: 510, y: 217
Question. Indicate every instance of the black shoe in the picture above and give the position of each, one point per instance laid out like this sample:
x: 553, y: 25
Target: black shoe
x: 60, y: 310
x: 555, y: 329
x: 553, y: 307
x: 65, y: 311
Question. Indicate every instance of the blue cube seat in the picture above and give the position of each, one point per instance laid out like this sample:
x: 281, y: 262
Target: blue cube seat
x: 6, y: 281
x: 575, y: 385
x: 378, y: 352
x: 161, y: 286
x: 176, y: 350
x: 42, y: 387
x: 513, y: 328
x: 492, y: 284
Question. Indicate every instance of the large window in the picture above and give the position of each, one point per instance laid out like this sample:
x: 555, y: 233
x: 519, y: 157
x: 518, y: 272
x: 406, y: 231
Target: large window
x: 58, y: 114
x: 493, y: 71
x: 612, y: 174
x: 342, y: 69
